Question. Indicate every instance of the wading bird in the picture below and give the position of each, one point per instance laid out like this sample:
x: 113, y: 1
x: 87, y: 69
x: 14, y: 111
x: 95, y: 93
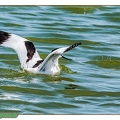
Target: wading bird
x: 29, y: 57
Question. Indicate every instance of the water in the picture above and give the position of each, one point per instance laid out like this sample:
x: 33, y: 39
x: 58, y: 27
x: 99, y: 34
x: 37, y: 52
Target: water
x: 89, y: 84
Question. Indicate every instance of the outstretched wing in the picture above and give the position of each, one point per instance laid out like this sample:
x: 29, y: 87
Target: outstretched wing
x: 51, y: 61
x: 25, y: 49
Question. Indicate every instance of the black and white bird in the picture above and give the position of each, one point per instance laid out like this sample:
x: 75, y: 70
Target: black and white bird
x: 29, y: 57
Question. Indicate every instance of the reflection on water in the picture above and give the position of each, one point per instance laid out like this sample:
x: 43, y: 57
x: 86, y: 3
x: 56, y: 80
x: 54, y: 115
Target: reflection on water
x: 89, y: 84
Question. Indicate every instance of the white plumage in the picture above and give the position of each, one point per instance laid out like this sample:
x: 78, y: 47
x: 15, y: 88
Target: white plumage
x: 29, y: 57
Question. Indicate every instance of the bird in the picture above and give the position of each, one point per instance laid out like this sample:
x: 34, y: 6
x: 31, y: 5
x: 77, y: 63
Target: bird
x: 30, y: 59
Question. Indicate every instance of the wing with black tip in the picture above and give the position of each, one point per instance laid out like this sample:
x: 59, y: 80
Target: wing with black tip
x: 25, y: 49
x: 50, y: 63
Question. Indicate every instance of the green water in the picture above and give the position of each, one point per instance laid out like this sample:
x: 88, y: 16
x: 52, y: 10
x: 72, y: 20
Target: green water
x: 89, y: 84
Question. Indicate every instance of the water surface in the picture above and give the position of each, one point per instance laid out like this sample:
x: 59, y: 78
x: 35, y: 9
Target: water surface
x: 89, y: 84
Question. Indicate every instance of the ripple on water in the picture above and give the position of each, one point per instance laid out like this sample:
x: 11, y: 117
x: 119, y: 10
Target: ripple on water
x: 89, y: 84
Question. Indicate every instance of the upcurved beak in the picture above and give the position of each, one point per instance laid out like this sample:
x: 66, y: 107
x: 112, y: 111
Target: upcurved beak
x: 66, y: 58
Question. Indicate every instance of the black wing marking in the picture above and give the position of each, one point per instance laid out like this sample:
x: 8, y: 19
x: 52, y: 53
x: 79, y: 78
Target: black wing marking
x: 38, y: 63
x: 54, y: 49
x: 30, y: 50
x: 4, y: 36
x: 72, y: 46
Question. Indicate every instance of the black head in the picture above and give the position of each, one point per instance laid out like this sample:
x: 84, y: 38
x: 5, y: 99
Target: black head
x: 54, y: 49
